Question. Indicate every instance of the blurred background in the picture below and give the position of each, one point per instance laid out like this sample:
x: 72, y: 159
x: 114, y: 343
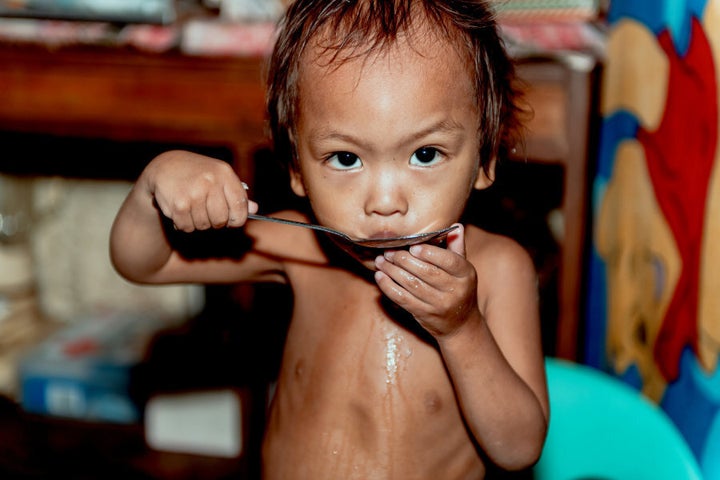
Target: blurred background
x: 613, y: 192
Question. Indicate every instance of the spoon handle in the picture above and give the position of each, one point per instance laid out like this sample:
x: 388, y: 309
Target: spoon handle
x: 284, y: 221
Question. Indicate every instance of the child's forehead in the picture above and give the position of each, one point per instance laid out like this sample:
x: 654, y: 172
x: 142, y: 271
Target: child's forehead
x: 332, y: 48
x: 387, y: 79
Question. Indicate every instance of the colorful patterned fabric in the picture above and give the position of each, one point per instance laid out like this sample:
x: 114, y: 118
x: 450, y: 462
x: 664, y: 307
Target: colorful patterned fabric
x: 653, y: 306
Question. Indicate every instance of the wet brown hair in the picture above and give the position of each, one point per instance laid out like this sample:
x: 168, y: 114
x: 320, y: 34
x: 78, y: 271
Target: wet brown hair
x: 357, y: 27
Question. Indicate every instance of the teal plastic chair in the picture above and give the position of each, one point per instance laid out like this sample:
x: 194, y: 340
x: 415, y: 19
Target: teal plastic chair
x: 602, y: 429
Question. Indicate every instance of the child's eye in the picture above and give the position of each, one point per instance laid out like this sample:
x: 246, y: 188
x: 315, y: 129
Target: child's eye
x: 344, y: 161
x: 425, y: 156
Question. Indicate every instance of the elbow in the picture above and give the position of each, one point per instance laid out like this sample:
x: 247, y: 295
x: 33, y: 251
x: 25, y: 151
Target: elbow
x: 528, y: 456
x: 120, y: 264
x: 121, y: 267
x: 136, y: 275
x: 133, y: 262
x: 524, y: 452
x: 130, y: 270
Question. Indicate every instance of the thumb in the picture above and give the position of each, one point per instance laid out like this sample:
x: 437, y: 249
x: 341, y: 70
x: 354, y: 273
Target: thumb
x: 456, y: 240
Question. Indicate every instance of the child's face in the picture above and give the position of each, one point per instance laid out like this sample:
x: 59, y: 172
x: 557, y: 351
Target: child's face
x: 387, y: 144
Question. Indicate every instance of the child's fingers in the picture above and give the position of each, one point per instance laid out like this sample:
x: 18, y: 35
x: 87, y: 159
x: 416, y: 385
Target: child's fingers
x: 415, y: 266
x: 183, y: 223
x: 252, y: 207
x: 443, y: 260
x: 403, y: 284
x: 217, y: 209
x: 395, y: 292
x: 433, y: 265
x: 237, y: 203
x: 178, y: 212
x: 199, y: 213
x: 430, y: 261
x: 456, y: 240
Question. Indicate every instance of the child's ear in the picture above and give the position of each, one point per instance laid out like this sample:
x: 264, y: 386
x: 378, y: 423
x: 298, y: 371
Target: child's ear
x: 296, y: 183
x: 485, y: 176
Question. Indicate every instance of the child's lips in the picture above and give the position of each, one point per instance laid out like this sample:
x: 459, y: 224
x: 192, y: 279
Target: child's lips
x: 389, y: 233
x: 384, y: 234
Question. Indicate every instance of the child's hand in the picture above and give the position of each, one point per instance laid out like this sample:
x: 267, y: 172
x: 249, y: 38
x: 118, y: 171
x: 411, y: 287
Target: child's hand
x: 437, y: 286
x: 197, y: 192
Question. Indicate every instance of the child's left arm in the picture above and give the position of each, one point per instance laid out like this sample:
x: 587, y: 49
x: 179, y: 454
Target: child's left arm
x: 486, y: 322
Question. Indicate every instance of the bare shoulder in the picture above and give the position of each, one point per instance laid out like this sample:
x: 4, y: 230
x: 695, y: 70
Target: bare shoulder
x: 496, y: 257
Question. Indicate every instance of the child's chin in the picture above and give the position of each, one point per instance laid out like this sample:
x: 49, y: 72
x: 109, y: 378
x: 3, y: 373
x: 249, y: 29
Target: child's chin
x: 366, y: 259
x: 364, y: 255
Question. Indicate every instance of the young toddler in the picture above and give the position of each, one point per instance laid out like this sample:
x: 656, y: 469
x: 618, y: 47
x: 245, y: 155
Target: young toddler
x: 419, y: 363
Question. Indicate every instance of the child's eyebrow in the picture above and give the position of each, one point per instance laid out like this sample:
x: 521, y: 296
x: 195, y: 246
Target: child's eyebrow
x: 445, y: 126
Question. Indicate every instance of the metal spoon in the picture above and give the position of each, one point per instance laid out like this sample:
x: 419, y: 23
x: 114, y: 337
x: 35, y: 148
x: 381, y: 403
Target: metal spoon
x: 435, y: 237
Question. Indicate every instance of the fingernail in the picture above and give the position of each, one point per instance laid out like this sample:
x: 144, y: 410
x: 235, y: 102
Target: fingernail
x: 389, y: 254
x: 379, y: 260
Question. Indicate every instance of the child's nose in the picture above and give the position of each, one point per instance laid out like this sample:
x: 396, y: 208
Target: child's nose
x: 387, y: 194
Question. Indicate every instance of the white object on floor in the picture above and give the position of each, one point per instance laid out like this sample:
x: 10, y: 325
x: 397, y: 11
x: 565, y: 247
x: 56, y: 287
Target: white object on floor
x: 204, y: 423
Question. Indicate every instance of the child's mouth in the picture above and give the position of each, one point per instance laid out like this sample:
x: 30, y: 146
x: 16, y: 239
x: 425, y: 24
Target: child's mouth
x: 366, y: 254
x: 384, y: 234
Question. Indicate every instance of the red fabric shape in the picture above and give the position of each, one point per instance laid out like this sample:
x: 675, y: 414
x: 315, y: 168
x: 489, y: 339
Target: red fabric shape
x: 680, y: 156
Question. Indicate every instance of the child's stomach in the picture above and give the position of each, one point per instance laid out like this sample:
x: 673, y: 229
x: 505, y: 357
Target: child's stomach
x: 365, y: 399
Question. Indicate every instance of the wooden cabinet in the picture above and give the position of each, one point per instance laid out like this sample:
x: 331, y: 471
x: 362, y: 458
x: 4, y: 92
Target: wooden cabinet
x: 126, y: 95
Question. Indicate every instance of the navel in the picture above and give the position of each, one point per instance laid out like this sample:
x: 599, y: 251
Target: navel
x: 299, y: 369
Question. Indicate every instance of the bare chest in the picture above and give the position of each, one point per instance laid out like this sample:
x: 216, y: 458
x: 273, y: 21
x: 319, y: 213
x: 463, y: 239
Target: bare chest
x: 344, y: 332
x: 362, y: 385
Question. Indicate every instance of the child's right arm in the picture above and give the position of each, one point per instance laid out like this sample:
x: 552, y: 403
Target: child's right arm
x: 193, y: 192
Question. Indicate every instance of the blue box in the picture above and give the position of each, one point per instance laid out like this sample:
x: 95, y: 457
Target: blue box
x: 84, y: 371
